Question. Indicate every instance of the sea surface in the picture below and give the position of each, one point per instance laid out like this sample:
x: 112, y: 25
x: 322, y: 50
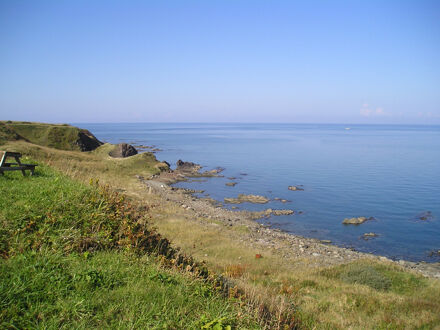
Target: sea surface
x: 391, y: 173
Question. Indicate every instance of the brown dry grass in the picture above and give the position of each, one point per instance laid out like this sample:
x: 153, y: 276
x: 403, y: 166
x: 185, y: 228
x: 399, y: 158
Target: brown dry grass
x: 318, y: 297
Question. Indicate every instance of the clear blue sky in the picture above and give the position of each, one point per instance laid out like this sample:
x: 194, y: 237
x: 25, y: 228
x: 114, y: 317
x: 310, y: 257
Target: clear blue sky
x: 228, y: 61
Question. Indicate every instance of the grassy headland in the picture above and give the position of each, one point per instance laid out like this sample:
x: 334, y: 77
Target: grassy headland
x: 362, y: 294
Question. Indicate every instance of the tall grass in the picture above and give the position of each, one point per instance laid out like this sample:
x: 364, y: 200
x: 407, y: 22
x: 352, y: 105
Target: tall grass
x: 77, y: 255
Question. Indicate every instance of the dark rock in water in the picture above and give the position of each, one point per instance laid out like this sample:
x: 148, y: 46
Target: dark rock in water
x: 187, y: 166
x: 425, y: 216
x: 434, y: 253
x: 123, y: 150
x: 295, y: 188
x: 230, y: 184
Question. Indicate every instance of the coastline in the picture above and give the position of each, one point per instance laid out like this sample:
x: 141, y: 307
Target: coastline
x: 318, y: 253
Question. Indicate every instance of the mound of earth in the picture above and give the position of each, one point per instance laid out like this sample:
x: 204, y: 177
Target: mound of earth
x: 123, y: 150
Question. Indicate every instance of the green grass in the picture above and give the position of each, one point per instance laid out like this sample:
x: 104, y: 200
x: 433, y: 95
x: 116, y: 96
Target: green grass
x: 63, y: 136
x: 7, y: 134
x: 377, y: 276
x: 71, y: 258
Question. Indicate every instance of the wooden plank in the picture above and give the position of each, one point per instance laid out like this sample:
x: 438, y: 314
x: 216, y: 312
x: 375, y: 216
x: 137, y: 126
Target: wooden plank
x: 3, y: 158
x: 15, y: 168
x: 12, y: 154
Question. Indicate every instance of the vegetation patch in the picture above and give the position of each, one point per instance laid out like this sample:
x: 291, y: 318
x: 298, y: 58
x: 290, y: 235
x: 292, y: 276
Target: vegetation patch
x: 64, y: 137
x: 76, y: 255
x: 376, y: 276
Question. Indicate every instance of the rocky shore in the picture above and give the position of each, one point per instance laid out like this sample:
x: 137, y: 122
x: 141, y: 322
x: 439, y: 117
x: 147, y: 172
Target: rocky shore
x: 312, y: 251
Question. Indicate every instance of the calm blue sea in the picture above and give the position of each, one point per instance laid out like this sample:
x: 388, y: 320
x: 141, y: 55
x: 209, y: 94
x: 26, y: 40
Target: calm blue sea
x: 389, y: 172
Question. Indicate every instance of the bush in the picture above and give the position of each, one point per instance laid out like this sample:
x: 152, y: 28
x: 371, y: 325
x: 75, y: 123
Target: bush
x: 366, y: 275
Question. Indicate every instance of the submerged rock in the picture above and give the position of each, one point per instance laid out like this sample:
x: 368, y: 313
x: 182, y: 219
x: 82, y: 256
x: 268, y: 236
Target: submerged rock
x: 368, y: 236
x: 295, y: 188
x: 425, y: 216
x: 282, y: 212
x: 230, y: 184
x: 434, y: 253
x: 242, y: 198
x: 123, y: 150
x: 356, y: 221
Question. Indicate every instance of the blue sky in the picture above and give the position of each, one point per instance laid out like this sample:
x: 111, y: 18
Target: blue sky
x: 220, y: 61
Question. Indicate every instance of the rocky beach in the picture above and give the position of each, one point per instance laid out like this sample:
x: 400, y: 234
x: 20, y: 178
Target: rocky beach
x: 316, y: 252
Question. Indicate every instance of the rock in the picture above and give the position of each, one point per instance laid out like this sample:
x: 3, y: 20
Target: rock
x: 282, y: 212
x: 356, y: 221
x: 87, y: 141
x: 425, y: 216
x: 295, y: 188
x: 230, y: 184
x: 325, y: 241
x: 242, y: 198
x: 187, y: 166
x: 368, y: 236
x: 434, y: 253
x: 123, y: 150
x: 232, y: 178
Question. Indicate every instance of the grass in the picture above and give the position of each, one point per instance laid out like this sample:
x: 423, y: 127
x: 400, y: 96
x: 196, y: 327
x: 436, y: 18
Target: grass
x: 63, y: 136
x: 73, y: 257
x: 349, y: 295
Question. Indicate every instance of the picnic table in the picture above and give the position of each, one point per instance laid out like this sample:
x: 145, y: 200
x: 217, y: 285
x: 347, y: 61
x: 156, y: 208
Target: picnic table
x: 17, y: 166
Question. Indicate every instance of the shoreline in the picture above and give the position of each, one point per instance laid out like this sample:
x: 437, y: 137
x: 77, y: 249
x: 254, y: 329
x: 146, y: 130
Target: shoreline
x: 288, y: 245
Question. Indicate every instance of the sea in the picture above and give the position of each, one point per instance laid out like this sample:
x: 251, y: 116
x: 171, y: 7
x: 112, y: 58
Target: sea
x: 389, y: 172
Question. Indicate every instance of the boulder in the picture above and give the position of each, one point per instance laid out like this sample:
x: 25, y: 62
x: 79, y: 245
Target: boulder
x: 356, y: 221
x: 368, y: 236
x: 123, y: 150
x: 247, y: 198
x: 295, y: 188
x: 187, y: 166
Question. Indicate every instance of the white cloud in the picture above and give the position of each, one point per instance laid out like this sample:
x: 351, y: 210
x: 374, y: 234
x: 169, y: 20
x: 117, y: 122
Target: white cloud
x: 367, y: 111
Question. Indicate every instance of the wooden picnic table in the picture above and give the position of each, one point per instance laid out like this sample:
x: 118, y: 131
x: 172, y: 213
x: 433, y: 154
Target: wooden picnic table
x: 17, y: 166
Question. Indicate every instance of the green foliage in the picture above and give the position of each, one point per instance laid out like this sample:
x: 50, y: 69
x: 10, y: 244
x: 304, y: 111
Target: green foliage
x: 367, y: 276
x: 216, y: 324
x: 7, y: 134
x: 73, y: 256
x: 376, y: 276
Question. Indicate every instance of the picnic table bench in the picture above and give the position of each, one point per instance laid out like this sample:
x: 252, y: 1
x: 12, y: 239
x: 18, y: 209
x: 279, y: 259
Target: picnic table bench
x: 17, y: 166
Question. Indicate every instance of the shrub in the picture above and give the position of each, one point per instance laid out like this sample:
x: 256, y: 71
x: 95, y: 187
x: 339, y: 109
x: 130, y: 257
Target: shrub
x: 366, y: 275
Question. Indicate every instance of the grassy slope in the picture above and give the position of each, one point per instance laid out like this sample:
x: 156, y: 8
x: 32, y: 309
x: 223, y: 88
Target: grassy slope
x: 347, y: 296
x: 66, y: 265
x: 63, y: 137
x: 7, y: 134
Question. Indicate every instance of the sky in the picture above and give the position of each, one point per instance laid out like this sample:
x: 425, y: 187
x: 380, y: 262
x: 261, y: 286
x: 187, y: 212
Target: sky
x: 373, y: 62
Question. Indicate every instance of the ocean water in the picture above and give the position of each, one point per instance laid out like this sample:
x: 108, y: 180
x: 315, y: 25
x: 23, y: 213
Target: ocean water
x: 391, y: 173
